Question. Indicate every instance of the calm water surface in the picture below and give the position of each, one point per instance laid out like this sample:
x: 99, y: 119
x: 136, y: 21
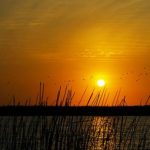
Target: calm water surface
x: 78, y: 132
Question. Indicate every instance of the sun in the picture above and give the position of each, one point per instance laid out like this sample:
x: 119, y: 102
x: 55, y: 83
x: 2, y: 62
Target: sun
x: 101, y: 83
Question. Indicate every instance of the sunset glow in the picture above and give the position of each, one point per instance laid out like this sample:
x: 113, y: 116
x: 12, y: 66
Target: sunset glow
x: 75, y: 43
x: 101, y: 83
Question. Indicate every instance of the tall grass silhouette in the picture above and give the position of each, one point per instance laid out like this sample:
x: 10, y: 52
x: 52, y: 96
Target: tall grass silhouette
x: 74, y: 132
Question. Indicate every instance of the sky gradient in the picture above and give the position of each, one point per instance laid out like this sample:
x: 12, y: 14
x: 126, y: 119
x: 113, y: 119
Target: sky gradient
x: 74, y: 42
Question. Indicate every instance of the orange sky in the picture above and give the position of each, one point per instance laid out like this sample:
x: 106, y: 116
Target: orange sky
x: 78, y: 41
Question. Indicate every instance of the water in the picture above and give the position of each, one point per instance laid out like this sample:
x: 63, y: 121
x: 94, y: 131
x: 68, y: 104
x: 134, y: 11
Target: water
x: 89, y: 133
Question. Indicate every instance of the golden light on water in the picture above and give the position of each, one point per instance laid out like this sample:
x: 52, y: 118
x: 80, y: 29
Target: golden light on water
x: 101, y: 83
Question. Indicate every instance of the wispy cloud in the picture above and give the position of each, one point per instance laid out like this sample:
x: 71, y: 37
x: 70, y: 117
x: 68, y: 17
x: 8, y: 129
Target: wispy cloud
x: 49, y: 26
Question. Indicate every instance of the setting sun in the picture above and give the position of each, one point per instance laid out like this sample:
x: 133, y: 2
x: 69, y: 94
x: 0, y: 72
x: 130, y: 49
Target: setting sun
x: 101, y: 83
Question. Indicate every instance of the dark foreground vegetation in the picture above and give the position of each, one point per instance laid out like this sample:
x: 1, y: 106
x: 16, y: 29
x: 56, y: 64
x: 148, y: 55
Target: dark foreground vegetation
x: 95, y: 105
x: 65, y: 127
x: 74, y: 133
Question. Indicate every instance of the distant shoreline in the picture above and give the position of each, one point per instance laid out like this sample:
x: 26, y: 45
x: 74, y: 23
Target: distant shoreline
x: 74, y: 111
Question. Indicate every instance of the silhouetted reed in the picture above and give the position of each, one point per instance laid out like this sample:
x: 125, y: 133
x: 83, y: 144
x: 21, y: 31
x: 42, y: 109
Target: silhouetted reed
x: 74, y: 132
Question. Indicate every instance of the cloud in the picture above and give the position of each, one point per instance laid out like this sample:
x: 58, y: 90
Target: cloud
x: 50, y: 26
